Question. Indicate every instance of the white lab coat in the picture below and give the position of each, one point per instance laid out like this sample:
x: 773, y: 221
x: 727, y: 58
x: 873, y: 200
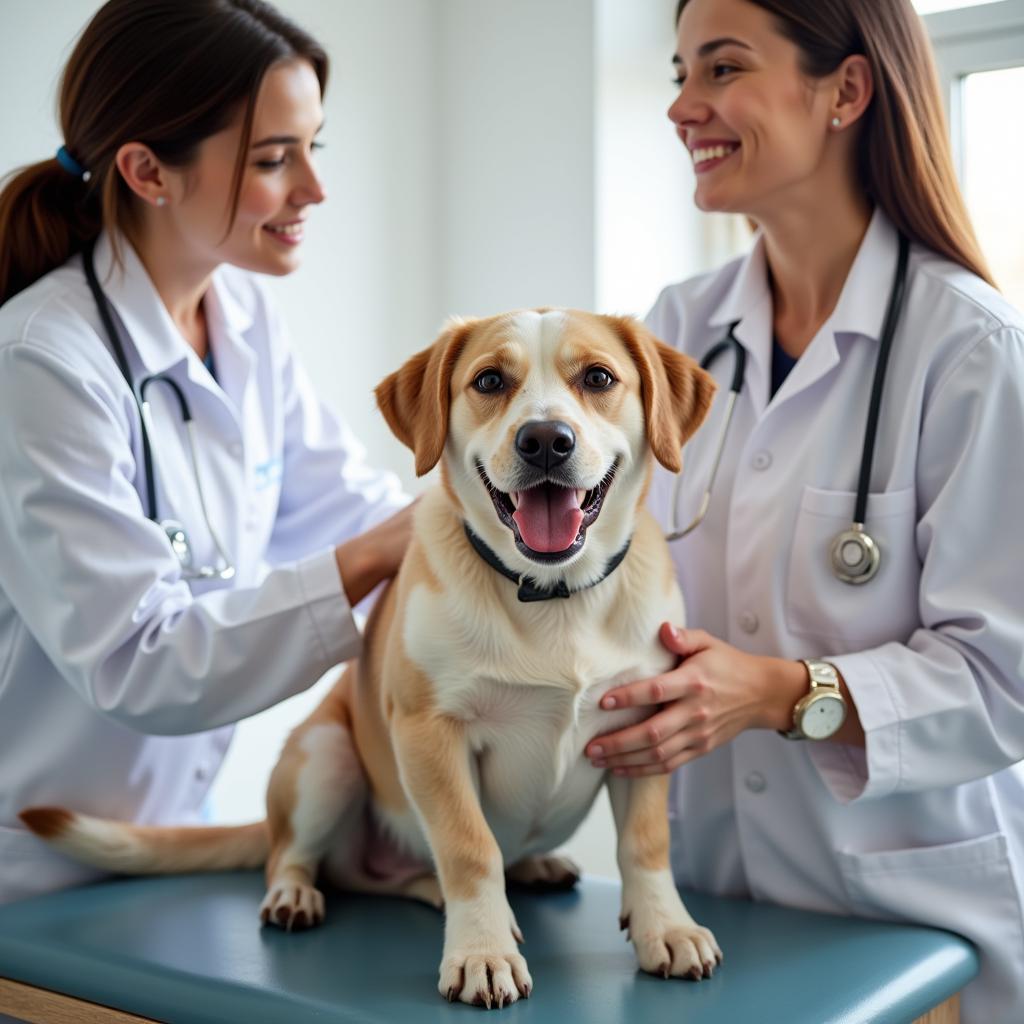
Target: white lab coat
x: 927, y: 825
x: 118, y: 679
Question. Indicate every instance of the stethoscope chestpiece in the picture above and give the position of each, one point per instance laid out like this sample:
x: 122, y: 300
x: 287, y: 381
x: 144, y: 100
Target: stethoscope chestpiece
x: 855, y: 556
x: 179, y: 541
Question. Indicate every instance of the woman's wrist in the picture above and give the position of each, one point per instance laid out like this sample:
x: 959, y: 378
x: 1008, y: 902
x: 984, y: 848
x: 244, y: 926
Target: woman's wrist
x: 786, y: 683
x: 358, y: 569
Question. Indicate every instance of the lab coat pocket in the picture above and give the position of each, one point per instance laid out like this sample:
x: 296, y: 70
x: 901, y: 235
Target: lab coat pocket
x: 821, y: 605
x: 965, y: 887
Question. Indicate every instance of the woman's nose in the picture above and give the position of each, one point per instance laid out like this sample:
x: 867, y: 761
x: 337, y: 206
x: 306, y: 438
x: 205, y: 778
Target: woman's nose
x: 311, y: 188
x: 689, y: 107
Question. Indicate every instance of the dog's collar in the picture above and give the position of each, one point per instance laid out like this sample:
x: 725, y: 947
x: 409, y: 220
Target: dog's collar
x: 528, y: 590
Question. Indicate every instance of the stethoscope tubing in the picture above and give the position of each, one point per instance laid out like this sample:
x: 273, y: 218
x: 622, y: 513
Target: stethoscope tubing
x: 889, y: 325
x: 226, y: 570
x: 866, y: 568
x: 739, y: 364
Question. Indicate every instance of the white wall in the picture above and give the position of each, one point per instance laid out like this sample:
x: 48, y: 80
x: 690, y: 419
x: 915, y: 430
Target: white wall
x: 516, y: 154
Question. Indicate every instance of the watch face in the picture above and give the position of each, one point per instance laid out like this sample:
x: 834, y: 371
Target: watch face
x: 823, y: 716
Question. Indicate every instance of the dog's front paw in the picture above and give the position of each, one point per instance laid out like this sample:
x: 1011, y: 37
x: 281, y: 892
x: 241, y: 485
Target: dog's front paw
x: 673, y: 948
x: 292, y: 906
x: 484, y: 973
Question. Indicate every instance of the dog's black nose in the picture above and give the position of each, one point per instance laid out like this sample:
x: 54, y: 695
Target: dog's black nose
x: 545, y: 443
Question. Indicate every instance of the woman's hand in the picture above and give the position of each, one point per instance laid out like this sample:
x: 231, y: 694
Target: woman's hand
x: 715, y: 693
x: 374, y: 556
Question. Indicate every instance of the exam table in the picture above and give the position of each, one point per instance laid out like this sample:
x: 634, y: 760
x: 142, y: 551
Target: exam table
x: 189, y: 950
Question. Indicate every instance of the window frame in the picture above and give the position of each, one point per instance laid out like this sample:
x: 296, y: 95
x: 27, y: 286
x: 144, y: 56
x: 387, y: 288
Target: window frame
x: 989, y: 37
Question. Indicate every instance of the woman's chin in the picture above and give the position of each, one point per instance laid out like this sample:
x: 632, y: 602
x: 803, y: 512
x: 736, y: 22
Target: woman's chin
x: 275, y: 264
x: 713, y: 201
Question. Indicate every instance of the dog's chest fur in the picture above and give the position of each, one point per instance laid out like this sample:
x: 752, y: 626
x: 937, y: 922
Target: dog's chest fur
x: 527, y: 738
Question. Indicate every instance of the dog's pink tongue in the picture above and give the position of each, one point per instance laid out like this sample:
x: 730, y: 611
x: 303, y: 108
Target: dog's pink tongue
x: 548, y: 517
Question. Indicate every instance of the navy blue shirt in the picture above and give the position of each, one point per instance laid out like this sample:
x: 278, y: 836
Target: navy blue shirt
x: 782, y: 363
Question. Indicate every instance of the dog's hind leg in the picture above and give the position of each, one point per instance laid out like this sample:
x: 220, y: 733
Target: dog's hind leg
x: 544, y: 872
x: 316, y: 795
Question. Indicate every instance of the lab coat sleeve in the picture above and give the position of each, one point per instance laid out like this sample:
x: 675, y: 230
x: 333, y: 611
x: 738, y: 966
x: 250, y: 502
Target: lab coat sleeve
x: 95, y: 583
x: 664, y: 318
x: 948, y: 706
x: 329, y: 493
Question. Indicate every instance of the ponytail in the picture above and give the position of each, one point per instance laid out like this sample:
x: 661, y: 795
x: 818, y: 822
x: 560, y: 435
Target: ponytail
x: 47, y: 214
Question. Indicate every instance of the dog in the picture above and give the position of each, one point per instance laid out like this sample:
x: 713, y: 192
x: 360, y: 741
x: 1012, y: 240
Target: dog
x: 450, y: 755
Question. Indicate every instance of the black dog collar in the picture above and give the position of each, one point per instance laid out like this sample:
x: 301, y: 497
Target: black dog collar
x: 528, y: 590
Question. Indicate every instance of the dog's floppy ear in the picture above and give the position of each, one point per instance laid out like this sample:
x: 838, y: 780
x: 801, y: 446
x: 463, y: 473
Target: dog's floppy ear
x: 677, y: 393
x: 415, y: 398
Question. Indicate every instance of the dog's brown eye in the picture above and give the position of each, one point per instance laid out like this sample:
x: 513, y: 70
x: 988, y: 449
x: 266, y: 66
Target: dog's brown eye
x: 488, y: 382
x: 598, y: 378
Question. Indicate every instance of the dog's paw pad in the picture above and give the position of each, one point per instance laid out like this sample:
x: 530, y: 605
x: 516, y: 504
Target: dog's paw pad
x: 292, y: 907
x: 490, y: 981
x: 680, y: 951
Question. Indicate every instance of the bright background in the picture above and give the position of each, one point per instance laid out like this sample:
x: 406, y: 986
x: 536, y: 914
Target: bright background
x: 484, y: 155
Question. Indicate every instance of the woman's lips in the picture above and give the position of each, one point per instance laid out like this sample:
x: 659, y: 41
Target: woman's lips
x: 708, y: 157
x: 290, y: 234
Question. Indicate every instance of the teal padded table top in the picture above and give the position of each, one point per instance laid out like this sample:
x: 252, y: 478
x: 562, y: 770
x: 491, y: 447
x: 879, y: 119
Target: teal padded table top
x: 189, y: 950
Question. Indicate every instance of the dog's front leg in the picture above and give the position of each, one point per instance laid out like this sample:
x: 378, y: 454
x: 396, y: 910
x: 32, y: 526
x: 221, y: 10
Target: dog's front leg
x: 667, y: 939
x: 481, y: 962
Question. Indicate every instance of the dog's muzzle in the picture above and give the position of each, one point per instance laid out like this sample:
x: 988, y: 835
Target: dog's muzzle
x: 548, y: 517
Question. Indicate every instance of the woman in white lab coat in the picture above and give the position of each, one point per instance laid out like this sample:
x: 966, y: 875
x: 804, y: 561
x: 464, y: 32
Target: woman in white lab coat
x: 189, y: 131
x: 823, y: 123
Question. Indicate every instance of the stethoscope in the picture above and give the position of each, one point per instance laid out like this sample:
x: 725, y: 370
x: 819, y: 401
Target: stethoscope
x: 174, y: 531
x: 854, y: 555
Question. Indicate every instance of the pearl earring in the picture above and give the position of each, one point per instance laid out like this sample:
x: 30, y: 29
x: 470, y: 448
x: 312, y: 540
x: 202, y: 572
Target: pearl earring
x: 161, y: 200
x: 836, y: 122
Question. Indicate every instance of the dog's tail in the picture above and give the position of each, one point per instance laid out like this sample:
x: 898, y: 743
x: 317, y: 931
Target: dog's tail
x: 146, y: 849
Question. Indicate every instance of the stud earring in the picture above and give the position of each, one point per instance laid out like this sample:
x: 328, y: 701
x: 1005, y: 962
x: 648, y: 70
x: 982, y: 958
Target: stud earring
x: 836, y: 123
x: 161, y: 200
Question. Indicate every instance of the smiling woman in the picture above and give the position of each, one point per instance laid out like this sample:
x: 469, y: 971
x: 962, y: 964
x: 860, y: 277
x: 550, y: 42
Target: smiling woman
x: 130, y: 259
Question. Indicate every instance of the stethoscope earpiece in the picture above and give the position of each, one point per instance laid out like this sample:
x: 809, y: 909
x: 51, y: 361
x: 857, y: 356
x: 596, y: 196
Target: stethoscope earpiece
x: 855, y: 555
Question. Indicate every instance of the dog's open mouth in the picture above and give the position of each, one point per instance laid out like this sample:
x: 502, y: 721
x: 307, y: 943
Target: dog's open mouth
x: 549, y: 520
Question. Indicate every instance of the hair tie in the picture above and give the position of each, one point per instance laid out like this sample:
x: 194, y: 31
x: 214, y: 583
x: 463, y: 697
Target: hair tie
x: 71, y: 165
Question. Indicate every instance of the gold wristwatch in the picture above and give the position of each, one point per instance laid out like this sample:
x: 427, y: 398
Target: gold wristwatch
x: 820, y: 712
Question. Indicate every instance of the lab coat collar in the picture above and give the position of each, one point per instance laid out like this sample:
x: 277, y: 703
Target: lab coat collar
x: 865, y: 295
x: 148, y: 325
x: 749, y: 288
x: 859, y: 312
x: 748, y: 305
x: 861, y: 306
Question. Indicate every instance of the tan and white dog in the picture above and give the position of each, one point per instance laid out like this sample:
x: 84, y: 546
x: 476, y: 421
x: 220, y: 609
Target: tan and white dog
x: 451, y: 753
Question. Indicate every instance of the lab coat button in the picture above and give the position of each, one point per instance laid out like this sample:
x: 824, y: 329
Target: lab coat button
x: 756, y: 782
x: 761, y: 460
x: 200, y: 773
x: 749, y: 622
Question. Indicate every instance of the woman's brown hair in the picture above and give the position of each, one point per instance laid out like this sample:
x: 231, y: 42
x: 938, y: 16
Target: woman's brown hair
x: 167, y: 73
x: 905, y: 160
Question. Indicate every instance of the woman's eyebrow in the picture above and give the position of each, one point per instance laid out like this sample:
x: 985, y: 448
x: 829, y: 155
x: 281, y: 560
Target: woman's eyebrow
x: 282, y: 140
x: 715, y: 44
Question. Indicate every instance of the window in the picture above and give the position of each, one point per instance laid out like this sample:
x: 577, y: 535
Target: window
x: 991, y: 158
x: 933, y: 6
x: 980, y: 52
